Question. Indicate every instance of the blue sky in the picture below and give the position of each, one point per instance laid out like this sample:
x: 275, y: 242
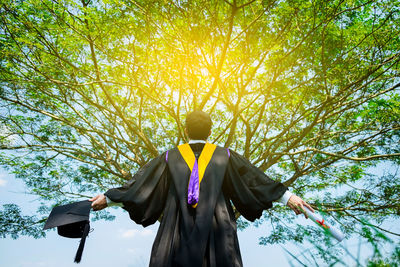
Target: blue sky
x: 115, y: 243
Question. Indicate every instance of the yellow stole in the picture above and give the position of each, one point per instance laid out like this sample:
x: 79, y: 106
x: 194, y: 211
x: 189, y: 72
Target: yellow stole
x: 204, y: 159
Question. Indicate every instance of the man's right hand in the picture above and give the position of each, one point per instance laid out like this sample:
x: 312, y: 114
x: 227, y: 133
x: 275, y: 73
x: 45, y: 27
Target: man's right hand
x: 99, y: 202
x: 297, y: 205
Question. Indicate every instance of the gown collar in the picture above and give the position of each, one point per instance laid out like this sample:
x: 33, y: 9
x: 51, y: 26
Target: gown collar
x: 192, y: 141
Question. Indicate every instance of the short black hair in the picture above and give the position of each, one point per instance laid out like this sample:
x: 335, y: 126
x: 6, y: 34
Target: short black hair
x: 198, y: 125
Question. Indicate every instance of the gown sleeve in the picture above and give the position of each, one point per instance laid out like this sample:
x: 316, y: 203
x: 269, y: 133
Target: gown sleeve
x: 249, y: 188
x: 145, y: 194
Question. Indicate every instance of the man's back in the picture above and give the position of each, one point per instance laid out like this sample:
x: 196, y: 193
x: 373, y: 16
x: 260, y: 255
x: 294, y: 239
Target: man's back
x: 205, y: 235
x: 198, y: 226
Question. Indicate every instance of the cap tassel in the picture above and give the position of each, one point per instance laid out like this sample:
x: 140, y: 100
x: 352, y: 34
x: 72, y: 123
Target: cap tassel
x: 79, y: 252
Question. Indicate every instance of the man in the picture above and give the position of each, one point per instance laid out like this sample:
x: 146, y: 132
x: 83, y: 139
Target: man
x: 192, y: 189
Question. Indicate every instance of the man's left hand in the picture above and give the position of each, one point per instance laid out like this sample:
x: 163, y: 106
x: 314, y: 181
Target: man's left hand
x: 99, y: 202
x: 298, y: 205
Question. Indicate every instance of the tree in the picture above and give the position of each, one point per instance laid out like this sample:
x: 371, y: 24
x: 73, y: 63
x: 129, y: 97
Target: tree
x: 307, y: 90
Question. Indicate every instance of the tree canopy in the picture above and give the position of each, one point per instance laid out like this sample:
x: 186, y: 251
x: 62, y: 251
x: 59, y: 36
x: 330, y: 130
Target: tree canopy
x: 307, y: 90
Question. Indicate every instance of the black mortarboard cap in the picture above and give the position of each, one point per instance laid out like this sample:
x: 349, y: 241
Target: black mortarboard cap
x: 71, y: 220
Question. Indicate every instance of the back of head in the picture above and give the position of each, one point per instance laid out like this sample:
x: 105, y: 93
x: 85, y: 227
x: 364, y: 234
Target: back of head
x: 198, y: 125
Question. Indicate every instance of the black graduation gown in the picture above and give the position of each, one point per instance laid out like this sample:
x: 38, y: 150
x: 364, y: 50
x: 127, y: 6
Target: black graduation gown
x: 205, y: 235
